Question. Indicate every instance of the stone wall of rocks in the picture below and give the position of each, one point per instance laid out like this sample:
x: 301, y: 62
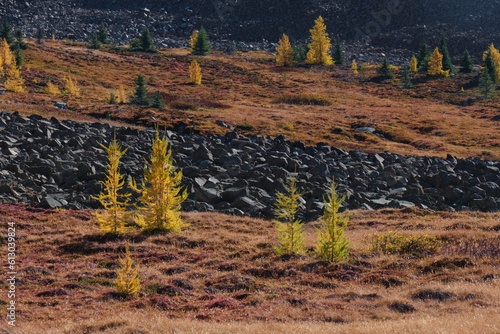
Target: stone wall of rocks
x: 52, y: 163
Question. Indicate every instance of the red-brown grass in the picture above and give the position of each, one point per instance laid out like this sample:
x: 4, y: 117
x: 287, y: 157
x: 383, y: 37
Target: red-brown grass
x: 223, y: 269
x: 435, y: 118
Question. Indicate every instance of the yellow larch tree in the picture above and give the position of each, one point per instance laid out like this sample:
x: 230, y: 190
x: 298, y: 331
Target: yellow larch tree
x: 332, y: 245
x: 354, y: 67
x: 161, y: 193
x: 192, y: 40
x: 13, y: 80
x: 290, y: 229
x: 436, y: 65
x: 122, y: 97
x: 127, y: 282
x: 284, y: 52
x: 6, y: 56
x: 52, y: 89
x: 319, y: 48
x: 414, y: 64
x: 115, y: 202
x: 195, y: 73
x: 491, y: 57
x: 71, y: 86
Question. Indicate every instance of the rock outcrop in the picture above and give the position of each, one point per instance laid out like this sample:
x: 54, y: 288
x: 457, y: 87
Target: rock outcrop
x: 52, y: 163
x: 388, y: 24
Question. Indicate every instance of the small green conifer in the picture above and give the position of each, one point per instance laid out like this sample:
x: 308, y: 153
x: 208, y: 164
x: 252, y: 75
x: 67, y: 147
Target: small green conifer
x: 407, y: 83
x: 443, y: 49
x: 486, y: 83
x: 338, y: 54
x: 102, y: 34
x: 19, y: 41
x: 140, y: 96
x: 158, y: 101
x: 424, y: 54
x: 147, y: 41
x: 202, y: 45
x: 6, y: 32
x: 385, y: 71
x: 466, y: 65
x: 95, y: 43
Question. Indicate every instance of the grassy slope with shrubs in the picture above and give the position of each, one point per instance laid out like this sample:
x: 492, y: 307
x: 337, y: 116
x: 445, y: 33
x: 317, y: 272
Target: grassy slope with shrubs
x: 317, y: 104
x: 220, y: 270
x: 437, y: 268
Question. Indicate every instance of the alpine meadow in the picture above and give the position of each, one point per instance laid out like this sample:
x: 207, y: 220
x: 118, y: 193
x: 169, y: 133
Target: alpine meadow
x: 250, y: 167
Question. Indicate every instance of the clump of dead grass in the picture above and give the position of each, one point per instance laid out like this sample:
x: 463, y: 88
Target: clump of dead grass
x: 304, y: 100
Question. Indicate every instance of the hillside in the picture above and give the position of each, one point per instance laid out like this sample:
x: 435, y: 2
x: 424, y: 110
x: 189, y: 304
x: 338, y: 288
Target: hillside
x: 419, y: 167
x: 221, y: 275
x: 391, y: 24
x: 241, y: 90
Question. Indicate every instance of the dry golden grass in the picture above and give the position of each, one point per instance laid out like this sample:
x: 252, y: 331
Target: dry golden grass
x: 136, y: 322
x: 222, y: 276
x: 435, y: 118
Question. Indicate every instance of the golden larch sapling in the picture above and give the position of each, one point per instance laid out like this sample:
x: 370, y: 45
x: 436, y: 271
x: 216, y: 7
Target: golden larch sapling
x: 71, y: 86
x: 192, y: 40
x: 414, y: 64
x: 161, y: 193
x: 195, y: 73
x: 354, y: 67
x: 284, y: 52
x: 52, y: 89
x: 114, y: 200
x: 436, y: 65
x: 127, y: 282
x: 290, y: 229
x: 13, y: 80
x: 319, y: 48
x: 332, y: 245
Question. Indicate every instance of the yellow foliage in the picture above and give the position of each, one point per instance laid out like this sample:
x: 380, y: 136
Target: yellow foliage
x: 319, y: 48
x: 354, y: 67
x: 13, y: 80
x: 192, y: 39
x: 415, y: 245
x: 291, y: 231
x: 52, y: 89
x: 370, y: 66
x: 115, y: 203
x: 289, y: 126
x: 161, y: 195
x: 284, y: 52
x: 122, y: 97
x: 436, y: 65
x: 127, y: 282
x: 6, y: 56
x: 394, y: 67
x: 332, y: 245
x: 495, y: 59
x: 195, y: 73
x: 71, y: 86
x: 414, y: 64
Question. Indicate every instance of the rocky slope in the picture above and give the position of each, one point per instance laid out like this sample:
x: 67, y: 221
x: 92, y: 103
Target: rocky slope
x: 389, y: 24
x: 52, y: 163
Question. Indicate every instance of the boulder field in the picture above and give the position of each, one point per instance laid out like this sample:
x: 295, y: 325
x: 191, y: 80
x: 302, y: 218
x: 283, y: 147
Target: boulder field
x: 51, y: 163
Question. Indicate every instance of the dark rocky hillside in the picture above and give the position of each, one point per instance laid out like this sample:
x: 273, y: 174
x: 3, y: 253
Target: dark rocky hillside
x: 53, y: 163
x: 388, y: 24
